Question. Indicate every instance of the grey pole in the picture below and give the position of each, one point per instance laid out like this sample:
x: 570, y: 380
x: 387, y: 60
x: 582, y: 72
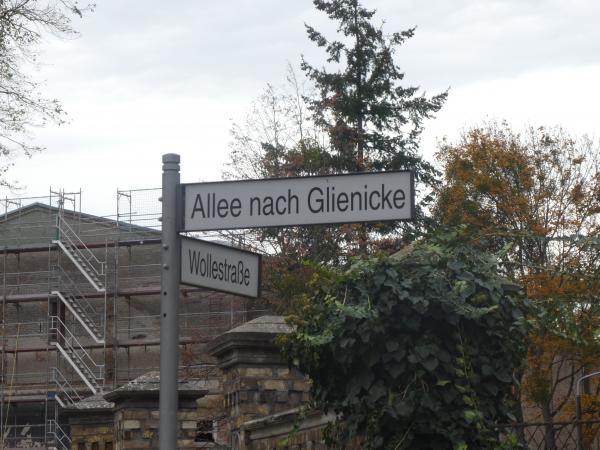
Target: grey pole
x: 169, y: 283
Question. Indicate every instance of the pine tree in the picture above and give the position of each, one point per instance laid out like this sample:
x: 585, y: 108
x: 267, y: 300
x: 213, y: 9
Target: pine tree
x: 360, y: 118
x: 373, y: 122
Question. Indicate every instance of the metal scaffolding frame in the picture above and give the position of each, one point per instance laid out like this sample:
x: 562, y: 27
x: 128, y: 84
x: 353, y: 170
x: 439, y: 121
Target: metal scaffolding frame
x: 135, y: 224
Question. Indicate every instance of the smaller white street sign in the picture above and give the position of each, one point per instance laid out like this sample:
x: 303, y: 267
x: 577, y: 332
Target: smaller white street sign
x: 220, y: 267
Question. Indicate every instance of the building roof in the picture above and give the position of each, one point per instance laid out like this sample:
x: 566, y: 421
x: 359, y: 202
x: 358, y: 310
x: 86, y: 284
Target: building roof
x: 263, y: 324
x: 31, y: 227
x: 75, y: 214
x: 251, y: 343
x: 95, y: 403
x: 148, y: 386
x: 144, y: 386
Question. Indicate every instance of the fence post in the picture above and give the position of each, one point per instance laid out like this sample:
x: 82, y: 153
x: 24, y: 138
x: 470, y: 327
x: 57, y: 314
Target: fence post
x: 578, y: 422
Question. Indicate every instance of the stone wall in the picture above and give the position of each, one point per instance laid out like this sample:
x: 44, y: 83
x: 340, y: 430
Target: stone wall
x: 137, y: 416
x: 252, y: 392
x: 289, y: 430
x: 136, y: 426
x: 258, y: 385
x: 128, y: 418
x: 92, y: 432
x: 253, y: 401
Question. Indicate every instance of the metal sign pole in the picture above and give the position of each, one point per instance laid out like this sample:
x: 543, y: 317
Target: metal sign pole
x: 169, y: 283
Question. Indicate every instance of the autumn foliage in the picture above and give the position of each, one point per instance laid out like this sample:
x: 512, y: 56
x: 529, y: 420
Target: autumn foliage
x: 534, y: 198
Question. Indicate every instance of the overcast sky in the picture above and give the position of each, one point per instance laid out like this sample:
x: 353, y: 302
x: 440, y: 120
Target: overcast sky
x: 148, y: 77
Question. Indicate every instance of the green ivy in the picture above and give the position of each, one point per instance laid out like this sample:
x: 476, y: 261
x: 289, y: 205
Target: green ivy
x: 415, y: 351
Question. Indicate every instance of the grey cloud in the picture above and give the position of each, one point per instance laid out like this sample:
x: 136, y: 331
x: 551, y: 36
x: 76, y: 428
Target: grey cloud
x: 216, y: 48
x: 149, y: 75
x: 464, y: 41
x: 156, y: 46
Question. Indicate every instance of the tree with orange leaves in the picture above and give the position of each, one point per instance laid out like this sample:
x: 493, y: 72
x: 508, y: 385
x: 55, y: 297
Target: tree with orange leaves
x: 534, y: 198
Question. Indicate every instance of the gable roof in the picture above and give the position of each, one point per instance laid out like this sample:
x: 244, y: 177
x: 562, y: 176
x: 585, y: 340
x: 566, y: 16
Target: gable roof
x: 33, y: 226
x: 11, y: 215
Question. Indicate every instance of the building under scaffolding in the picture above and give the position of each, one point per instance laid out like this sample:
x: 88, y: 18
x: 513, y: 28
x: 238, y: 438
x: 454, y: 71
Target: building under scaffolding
x: 80, y: 308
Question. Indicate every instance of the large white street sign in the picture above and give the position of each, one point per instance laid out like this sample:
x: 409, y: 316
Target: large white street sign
x: 219, y: 267
x: 362, y: 197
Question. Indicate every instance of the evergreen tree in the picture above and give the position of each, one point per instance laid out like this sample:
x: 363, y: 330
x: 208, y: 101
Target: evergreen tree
x: 363, y: 119
x: 373, y: 122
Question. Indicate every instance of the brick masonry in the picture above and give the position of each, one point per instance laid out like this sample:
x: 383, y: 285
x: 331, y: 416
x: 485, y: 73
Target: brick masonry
x: 262, y: 394
x: 128, y: 417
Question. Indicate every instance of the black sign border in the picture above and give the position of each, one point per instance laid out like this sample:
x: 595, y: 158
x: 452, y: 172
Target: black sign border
x: 259, y: 285
x: 183, y: 187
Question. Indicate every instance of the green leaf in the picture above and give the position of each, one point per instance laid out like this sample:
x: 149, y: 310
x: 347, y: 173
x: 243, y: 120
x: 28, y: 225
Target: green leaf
x: 430, y: 363
x: 470, y: 415
x: 503, y: 376
x: 395, y: 370
x: 388, y: 358
x: 403, y: 409
x: 392, y: 345
x: 376, y: 392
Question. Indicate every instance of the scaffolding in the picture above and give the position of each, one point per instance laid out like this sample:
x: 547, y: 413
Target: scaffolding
x: 80, y: 307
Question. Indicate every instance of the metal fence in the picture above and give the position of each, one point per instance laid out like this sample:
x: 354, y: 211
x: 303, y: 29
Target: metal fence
x: 555, y: 435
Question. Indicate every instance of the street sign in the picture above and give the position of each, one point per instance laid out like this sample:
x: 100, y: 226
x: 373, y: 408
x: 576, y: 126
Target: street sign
x: 360, y: 197
x: 220, y: 267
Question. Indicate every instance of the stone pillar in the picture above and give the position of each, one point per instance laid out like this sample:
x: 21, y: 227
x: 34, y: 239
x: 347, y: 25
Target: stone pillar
x: 91, y: 423
x: 136, y: 420
x: 92, y: 431
x: 212, y: 424
x: 136, y: 414
x: 257, y: 382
